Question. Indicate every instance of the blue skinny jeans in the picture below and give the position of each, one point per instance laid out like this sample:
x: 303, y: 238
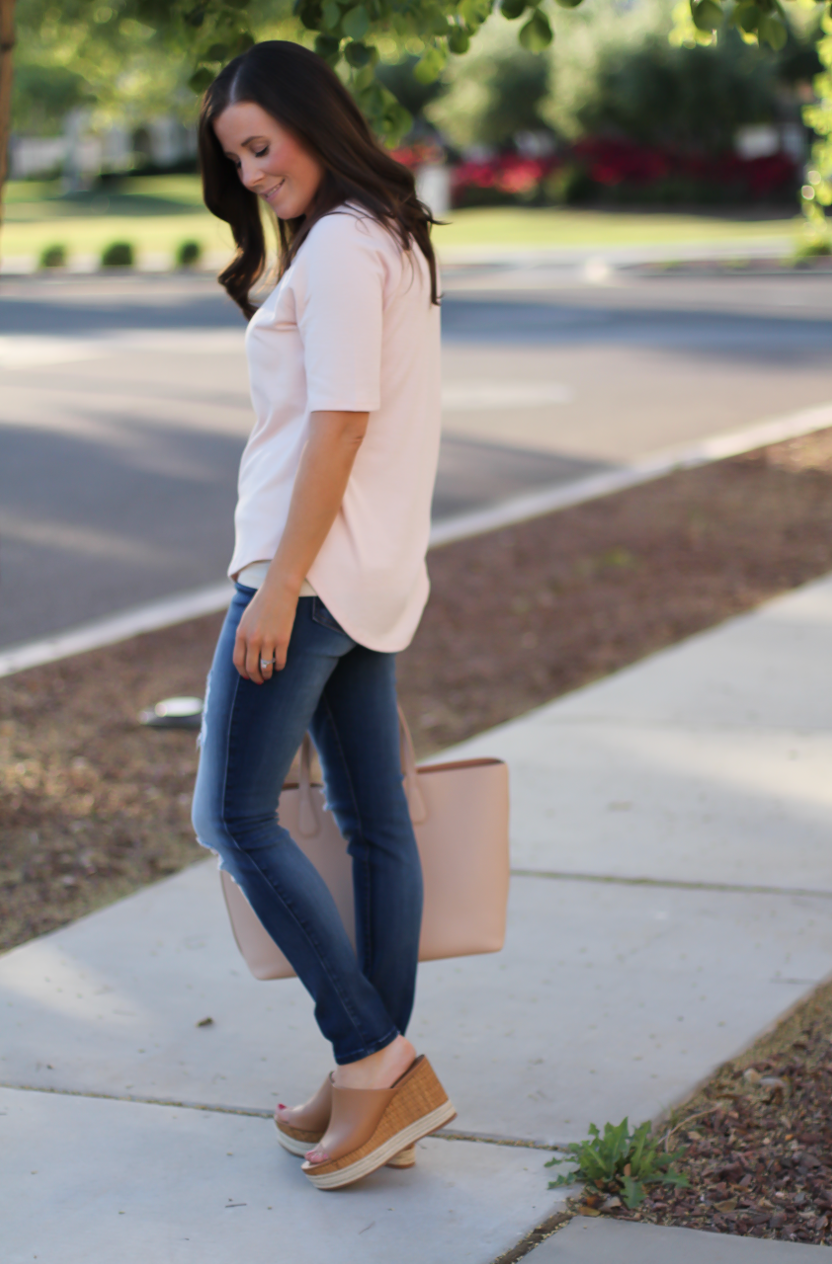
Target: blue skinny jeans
x: 345, y: 696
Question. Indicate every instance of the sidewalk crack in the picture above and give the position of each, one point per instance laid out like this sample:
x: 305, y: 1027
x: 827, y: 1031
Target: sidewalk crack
x: 258, y: 1112
x: 673, y: 884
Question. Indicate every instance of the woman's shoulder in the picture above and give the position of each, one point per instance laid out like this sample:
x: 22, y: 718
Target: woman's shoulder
x: 349, y: 224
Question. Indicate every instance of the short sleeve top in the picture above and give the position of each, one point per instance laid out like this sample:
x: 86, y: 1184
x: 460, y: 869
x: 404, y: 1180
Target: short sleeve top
x: 349, y: 327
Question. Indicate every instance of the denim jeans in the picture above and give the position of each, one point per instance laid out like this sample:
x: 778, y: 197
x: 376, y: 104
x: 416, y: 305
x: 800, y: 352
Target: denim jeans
x: 345, y: 696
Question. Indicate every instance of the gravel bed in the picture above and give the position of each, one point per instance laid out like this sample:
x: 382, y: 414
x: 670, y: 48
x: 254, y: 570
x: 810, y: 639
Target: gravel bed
x: 755, y: 1141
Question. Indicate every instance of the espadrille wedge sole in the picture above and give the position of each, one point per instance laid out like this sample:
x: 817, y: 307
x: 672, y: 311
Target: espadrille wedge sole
x: 405, y: 1157
x: 296, y: 1142
x: 399, y: 1117
x: 301, y: 1145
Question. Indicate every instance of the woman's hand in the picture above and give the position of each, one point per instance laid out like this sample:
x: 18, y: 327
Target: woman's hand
x: 264, y: 631
x: 322, y: 477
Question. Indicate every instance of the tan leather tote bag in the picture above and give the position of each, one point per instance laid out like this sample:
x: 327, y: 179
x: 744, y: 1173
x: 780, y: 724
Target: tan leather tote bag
x: 460, y: 817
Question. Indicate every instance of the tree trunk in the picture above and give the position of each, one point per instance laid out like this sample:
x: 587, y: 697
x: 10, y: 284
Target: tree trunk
x: 6, y: 47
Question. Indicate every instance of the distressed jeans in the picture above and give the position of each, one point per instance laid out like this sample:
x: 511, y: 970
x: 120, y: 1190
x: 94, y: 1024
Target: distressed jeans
x: 345, y: 696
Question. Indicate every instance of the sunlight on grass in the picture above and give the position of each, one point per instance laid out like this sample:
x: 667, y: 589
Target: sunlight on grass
x: 156, y: 213
x: 29, y: 190
x: 158, y: 234
x: 183, y: 188
x: 517, y: 227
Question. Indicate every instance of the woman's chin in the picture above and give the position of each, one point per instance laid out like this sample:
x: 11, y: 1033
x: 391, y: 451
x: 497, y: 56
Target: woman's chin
x: 285, y: 208
x: 281, y: 207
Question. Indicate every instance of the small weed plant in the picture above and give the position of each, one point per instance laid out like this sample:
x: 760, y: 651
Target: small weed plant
x: 619, y: 1164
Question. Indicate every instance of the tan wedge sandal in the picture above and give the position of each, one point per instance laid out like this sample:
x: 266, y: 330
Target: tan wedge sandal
x: 312, y: 1121
x: 369, y: 1127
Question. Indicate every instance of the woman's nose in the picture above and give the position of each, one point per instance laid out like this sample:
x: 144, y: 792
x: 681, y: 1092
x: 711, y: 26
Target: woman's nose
x: 249, y: 175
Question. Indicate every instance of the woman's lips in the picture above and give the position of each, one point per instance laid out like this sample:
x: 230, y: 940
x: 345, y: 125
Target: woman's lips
x: 275, y: 189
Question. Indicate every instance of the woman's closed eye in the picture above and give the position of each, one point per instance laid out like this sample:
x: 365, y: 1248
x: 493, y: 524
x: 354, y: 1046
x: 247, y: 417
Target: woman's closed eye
x: 258, y: 153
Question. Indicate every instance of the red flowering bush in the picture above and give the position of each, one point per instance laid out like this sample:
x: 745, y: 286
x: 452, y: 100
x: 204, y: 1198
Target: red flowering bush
x: 508, y: 177
x: 611, y: 170
x: 610, y: 164
x: 420, y: 154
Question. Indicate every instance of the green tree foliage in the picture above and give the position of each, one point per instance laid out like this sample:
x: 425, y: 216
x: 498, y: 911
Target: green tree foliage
x: 500, y: 92
x: 691, y: 98
x: 816, y: 194
x: 518, y: 84
x: 761, y: 20
x: 354, y: 35
x: 143, y: 49
x: 98, y: 55
x: 614, y: 71
x: 126, y: 58
x: 399, y: 78
x: 42, y: 96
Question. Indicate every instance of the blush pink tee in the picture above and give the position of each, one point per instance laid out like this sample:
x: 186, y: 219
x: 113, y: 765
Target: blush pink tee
x: 350, y: 326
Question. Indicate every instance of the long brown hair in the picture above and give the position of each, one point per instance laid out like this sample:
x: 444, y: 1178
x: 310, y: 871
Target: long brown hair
x: 306, y: 97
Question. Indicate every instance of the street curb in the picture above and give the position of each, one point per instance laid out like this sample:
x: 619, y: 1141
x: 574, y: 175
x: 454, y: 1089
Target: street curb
x: 717, y: 448
x: 168, y: 611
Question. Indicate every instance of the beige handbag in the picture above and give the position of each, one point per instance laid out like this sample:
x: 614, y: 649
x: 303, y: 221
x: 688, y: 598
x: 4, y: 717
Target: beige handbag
x: 460, y: 817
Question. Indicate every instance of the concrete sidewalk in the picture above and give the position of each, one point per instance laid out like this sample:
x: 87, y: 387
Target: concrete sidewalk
x: 602, y: 1241
x: 672, y: 896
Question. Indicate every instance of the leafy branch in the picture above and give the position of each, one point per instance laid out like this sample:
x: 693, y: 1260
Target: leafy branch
x: 353, y: 35
x: 816, y: 194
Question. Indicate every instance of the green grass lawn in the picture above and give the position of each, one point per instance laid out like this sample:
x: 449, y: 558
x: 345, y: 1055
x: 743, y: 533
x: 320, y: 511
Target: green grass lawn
x: 154, y: 213
x: 157, y: 213
x: 514, y: 227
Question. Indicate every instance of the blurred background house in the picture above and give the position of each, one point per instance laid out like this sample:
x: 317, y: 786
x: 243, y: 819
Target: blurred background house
x: 82, y: 154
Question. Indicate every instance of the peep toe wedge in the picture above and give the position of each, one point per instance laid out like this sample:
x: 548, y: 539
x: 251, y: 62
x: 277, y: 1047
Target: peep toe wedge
x: 369, y: 1127
x: 312, y: 1121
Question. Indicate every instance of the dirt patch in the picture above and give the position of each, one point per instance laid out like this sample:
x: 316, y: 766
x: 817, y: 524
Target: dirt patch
x: 525, y: 614
x: 756, y: 1141
x: 92, y: 806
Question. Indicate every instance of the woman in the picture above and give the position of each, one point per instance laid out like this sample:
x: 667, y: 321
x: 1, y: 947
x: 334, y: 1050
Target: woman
x: 332, y: 528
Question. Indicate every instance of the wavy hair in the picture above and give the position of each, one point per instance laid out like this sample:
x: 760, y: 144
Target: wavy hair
x: 306, y: 97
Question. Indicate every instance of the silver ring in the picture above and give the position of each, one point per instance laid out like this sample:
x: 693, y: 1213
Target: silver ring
x: 267, y: 662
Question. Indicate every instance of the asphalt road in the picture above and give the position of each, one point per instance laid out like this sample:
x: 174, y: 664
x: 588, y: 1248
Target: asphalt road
x: 124, y: 408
